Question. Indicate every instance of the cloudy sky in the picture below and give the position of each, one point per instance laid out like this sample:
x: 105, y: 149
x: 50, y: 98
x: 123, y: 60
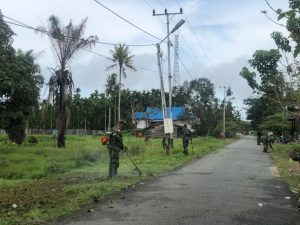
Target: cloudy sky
x: 216, y: 41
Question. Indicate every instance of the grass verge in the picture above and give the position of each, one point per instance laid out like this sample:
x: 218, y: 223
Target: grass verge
x: 39, y: 182
x: 289, y: 170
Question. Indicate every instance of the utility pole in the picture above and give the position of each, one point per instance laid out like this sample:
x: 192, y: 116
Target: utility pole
x: 162, y: 90
x: 224, y: 112
x: 227, y: 92
x: 167, y: 14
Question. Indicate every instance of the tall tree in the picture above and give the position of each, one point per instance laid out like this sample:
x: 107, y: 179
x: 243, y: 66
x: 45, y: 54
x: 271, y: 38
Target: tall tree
x: 204, y: 104
x: 111, y: 91
x: 122, y: 58
x: 66, y: 42
x: 20, y: 83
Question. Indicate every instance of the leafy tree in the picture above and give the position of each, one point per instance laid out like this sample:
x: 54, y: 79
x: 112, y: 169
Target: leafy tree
x: 66, y: 42
x: 182, y: 94
x: 121, y: 58
x: 276, y: 123
x: 20, y: 84
x: 204, y: 105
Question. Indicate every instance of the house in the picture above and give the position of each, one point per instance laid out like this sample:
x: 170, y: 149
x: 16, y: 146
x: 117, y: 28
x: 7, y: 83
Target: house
x: 153, y: 119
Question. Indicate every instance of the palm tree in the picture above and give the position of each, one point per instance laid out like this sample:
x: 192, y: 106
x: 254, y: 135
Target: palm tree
x: 66, y: 42
x: 122, y: 58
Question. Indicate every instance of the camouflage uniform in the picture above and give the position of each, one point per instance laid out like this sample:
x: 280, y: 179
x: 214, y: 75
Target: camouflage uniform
x: 267, y: 142
x: 115, y: 146
x: 186, y: 136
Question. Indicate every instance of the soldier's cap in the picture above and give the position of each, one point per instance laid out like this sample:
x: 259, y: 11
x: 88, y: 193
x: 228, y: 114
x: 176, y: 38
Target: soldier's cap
x: 122, y: 122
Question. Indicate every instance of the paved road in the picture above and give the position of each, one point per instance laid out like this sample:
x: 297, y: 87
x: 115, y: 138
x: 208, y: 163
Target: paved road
x: 236, y: 186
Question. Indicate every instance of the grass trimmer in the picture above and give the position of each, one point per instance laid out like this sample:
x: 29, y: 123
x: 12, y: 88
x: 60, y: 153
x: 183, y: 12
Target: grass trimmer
x: 136, y: 168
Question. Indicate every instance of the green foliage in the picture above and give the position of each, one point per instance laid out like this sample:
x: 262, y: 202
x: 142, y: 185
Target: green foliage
x: 123, y: 59
x: 282, y: 42
x: 32, y: 140
x: 277, y: 123
x: 289, y: 170
x: 256, y: 110
x: 20, y: 84
x: 278, y: 70
x: 250, y: 77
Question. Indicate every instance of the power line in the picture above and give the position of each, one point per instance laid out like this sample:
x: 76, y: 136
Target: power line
x: 88, y: 50
x: 98, y: 42
x: 142, y: 68
x: 146, y: 32
x: 188, y: 72
x: 202, y: 48
x: 201, y: 68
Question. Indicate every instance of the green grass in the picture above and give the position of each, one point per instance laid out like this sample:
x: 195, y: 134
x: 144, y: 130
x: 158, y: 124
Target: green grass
x: 46, y: 182
x: 289, y: 170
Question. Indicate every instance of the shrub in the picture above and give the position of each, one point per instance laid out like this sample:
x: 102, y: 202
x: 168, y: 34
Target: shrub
x: 32, y: 140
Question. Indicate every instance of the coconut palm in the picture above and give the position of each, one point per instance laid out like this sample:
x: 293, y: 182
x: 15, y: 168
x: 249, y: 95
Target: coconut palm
x: 122, y: 58
x: 66, y: 41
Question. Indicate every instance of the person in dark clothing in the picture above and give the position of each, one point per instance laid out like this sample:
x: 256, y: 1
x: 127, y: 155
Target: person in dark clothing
x: 186, y: 137
x: 259, y: 134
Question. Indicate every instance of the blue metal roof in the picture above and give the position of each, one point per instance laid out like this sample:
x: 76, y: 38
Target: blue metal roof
x: 155, y: 113
x: 140, y: 115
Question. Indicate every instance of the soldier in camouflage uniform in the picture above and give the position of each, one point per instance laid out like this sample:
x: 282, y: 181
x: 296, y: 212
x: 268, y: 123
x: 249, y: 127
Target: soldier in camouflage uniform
x: 186, y: 136
x: 114, y: 146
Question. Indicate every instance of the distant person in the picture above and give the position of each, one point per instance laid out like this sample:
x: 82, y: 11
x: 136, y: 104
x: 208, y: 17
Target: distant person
x: 267, y: 142
x: 114, y: 146
x: 186, y: 137
x: 259, y: 134
x: 271, y: 138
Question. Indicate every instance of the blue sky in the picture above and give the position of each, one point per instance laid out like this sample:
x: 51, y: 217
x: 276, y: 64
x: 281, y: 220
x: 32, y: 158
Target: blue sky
x: 216, y: 41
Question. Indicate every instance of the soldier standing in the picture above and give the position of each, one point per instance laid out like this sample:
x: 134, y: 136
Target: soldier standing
x: 114, y: 146
x: 259, y: 134
x: 186, y: 136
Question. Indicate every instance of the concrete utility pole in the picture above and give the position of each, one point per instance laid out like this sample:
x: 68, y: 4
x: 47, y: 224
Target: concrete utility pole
x: 226, y: 89
x: 167, y: 14
x: 162, y: 91
x: 224, y: 112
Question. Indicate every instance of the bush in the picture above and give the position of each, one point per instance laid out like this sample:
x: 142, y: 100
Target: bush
x: 32, y: 140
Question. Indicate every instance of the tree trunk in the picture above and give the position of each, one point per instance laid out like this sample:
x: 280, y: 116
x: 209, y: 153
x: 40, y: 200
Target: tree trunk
x: 61, y: 117
x: 119, y: 102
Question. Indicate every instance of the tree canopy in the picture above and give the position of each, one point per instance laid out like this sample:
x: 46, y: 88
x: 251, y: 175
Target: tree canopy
x: 20, y: 83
